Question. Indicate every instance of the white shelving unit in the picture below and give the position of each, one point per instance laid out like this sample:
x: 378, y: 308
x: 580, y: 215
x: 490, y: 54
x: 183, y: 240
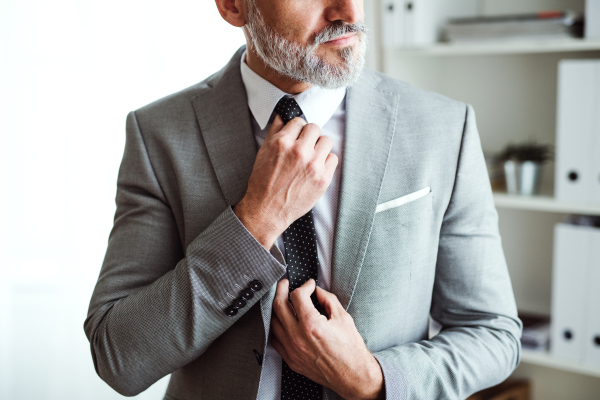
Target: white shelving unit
x: 507, y: 47
x: 545, y: 359
x: 512, y: 87
x: 543, y: 203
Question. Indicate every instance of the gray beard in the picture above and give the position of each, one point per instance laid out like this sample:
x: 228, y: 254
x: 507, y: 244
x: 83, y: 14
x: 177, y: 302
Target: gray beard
x: 301, y: 63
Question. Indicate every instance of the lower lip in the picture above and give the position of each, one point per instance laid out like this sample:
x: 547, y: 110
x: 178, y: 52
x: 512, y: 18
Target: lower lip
x: 341, y: 41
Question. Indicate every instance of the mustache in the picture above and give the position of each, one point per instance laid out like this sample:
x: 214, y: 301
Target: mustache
x: 337, y: 29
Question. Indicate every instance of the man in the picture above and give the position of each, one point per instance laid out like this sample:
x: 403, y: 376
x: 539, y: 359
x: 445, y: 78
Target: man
x: 373, y: 188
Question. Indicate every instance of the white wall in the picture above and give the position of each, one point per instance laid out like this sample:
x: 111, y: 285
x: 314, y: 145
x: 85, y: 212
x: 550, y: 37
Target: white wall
x: 70, y: 70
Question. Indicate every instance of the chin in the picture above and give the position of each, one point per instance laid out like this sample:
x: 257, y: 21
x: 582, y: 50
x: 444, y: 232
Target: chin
x: 335, y: 56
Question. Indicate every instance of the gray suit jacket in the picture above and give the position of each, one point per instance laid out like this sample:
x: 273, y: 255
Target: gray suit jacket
x: 177, y: 252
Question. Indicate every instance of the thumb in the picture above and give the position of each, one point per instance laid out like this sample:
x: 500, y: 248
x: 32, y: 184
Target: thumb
x: 301, y: 301
x: 330, y: 303
x: 276, y: 126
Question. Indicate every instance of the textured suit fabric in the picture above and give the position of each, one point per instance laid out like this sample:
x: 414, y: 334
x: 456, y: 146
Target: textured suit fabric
x: 177, y: 249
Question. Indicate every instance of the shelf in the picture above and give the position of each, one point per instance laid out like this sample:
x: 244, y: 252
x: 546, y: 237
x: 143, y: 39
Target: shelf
x: 545, y: 359
x: 543, y: 203
x: 506, y: 47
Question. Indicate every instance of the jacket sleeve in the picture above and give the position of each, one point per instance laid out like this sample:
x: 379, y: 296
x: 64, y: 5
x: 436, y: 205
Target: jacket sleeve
x: 156, y: 307
x: 479, y: 345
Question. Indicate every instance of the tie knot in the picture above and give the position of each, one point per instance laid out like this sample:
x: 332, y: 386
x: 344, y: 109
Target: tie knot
x: 288, y: 109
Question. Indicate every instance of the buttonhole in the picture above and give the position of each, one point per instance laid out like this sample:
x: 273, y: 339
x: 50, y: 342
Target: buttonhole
x: 258, y: 356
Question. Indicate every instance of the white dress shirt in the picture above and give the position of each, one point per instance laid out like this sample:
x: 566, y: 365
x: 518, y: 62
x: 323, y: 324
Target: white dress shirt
x: 327, y: 109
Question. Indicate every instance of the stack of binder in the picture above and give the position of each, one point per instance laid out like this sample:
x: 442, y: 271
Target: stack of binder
x: 575, y: 331
x: 546, y: 25
x: 577, y: 176
x: 536, y: 331
x: 419, y: 23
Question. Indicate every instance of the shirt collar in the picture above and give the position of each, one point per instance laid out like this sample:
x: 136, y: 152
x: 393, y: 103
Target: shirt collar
x: 317, y: 104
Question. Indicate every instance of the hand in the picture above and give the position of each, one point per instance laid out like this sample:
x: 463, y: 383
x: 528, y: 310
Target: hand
x: 327, y: 349
x: 292, y: 170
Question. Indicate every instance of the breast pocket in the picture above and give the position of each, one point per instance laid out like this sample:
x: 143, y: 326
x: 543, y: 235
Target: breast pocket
x: 401, y: 243
x: 402, y: 235
x: 406, y: 208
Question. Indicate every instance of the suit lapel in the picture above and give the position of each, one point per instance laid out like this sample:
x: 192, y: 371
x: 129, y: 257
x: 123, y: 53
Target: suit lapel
x: 224, y: 119
x: 370, y: 125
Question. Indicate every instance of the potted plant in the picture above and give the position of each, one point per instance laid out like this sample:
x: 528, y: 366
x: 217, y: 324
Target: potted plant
x: 523, y: 166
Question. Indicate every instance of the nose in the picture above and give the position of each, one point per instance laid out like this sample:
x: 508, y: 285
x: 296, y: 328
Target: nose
x: 349, y: 11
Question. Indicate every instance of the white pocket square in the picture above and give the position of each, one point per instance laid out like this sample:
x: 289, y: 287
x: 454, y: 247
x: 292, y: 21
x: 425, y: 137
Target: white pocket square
x: 402, y: 200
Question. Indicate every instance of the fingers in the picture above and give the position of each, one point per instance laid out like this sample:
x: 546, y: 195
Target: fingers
x: 282, y: 307
x: 309, y: 135
x: 305, y: 310
x: 323, y: 148
x: 293, y: 128
x: 279, y: 348
x: 330, y: 303
x: 331, y: 163
x: 278, y: 334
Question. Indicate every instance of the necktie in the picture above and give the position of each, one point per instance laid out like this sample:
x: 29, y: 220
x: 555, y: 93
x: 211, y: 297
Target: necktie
x: 300, y: 241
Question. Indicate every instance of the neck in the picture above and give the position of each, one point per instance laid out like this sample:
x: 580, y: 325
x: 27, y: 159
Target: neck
x: 283, y: 83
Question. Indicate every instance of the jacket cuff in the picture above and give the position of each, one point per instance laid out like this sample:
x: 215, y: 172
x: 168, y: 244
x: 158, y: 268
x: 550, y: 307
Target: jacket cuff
x: 395, y: 382
x: 235, y: 258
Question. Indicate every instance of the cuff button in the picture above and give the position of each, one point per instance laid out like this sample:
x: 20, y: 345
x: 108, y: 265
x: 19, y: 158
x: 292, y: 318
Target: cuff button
x: 247, y: 294
x: 256, y: 285
x: 239, y: 303
x: 231, y: 311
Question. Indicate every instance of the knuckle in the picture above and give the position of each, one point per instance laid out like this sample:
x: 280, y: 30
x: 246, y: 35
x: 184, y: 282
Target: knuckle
x: 314, y: 330
x: 295, y: 295
x: 312, y: 169
x: 278, y: 305
x: 297, y: 123
x: 281, y: 143
x: 326, y: 140
x: 297, y: 153
x: 322, y: 182
x: 312, y: 127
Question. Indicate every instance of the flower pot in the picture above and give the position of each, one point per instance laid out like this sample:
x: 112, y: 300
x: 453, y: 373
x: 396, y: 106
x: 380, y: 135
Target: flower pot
x: 522, y: 177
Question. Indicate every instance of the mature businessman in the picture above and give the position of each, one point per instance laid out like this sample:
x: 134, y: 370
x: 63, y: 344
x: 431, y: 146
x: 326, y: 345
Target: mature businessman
x: 372, y: 188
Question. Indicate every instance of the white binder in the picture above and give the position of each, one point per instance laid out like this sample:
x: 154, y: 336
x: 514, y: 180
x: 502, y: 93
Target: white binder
x: 578, y: 131
x: 418, y: 23
x: 572, y: 250
x: 591, y: 337
x: 392, y: 22
x: 592, y: 19
x: 425, y: 19
x: 596, y: 139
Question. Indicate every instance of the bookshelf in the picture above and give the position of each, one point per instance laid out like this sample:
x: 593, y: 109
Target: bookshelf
x: 512, y: 86
x: 545, y: 359
x: 506, y: 47
x: 544, y: 203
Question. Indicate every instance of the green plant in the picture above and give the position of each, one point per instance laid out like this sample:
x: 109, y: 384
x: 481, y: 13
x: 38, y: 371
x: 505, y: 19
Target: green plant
x: 527, y: 151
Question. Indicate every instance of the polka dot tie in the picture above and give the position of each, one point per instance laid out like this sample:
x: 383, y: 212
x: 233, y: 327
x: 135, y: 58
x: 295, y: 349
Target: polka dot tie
x: 300, y: 241
x: 288, y: 109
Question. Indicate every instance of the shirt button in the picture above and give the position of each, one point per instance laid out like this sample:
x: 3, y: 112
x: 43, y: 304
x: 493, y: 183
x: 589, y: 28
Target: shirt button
x: 239, y: 303
x: 256, y: 285
x: 231, y: 311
